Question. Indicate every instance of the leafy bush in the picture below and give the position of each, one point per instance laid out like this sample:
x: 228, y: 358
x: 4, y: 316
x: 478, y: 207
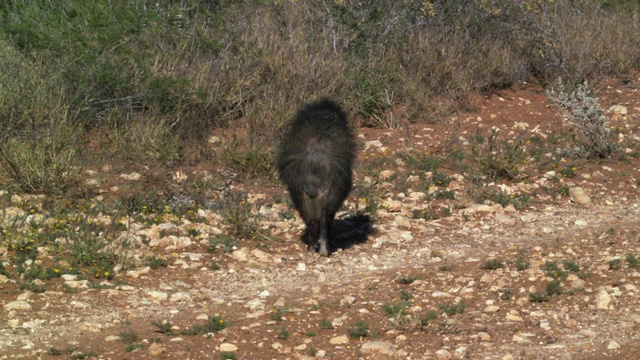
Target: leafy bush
x: 583, y: 111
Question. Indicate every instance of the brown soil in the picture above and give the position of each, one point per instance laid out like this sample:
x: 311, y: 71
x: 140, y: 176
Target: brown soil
x: 423, y: 263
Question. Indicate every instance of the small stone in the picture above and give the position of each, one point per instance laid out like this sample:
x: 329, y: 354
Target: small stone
x: 378, y: 347
x: 513, y: 317
x: 603, y: 299
x: 443, y: 354
x: 579, y: 196
x: 157, y: 295
x: 611, y: 344
x: 240, y: 255
x: 155, y: 349
x: 339, y: 340
x: 91, y: 327
x: 492, y: 308
x: 228, y: 347
x: 483, y: 336
x: 180, y: 297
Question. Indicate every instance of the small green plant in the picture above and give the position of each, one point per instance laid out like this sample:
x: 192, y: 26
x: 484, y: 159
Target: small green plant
x: 132, y: 347
x: 358, y: 330
x: 325, y: 324
x: 425, y: 214
x: 452, y: 309
x: 449, y: 267
x: 521, y: 264
x: 83, y: 355
x: 395, y: 310
x: 495, y: 158
x: 213, y: 265
x: 538, y: 297
x: 492, y: 264
x: 552, y: 270
x: 571, y: 266
x: 405, y: 295
x: 311, y: 333
x: 228, y: 356
x: 128, y: 336
x: 164, y: 327
x: 155, y: 262
x: 554, y: 288
x: 406, y: 280
x: 569, y: 171
x: 615, y: 264
x: 276, y: 314
x: 283, y: 334
x: 223, y: 242
x: 213, y: 325
x: 57, y: 352
x: 424, y: 319
x: 632, y: 261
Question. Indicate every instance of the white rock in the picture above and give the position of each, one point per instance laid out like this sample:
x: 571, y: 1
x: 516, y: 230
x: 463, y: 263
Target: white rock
x: 17, y: 305
x: 443, y: 354
x: 228, y: 347
x: 339, y: 340
x: 603, y: 299
x: 157, y: 295
x: 378, y: 347
x: 579, y: 196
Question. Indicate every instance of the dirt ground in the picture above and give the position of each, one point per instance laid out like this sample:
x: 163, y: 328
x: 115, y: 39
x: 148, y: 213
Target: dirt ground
x: 422, y: 288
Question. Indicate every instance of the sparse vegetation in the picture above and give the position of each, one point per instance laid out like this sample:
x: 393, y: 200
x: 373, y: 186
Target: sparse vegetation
x: 582, y: 109
x: 358, y: 330
x: 213, y: 325
x: 452, y: 309
x: 492, y: 264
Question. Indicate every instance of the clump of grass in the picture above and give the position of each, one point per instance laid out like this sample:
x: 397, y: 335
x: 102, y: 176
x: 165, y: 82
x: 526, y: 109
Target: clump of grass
x: 582, y: 109
x: 325, y: 324
x: 128, y: 336
x: 228, y: 356
x: 521, y: 264
x: 213, y: 325
x: 406, y: 280
x: 276, y: 314
x: 452, y: 309
x: 554, y: 288
x: 424, y: 319
x: 395, y: 310
x: 237, y: 216
x: 223, y: 242
x: 155, y: 262
x: 449, y: 267
x: 538, y: 297
x: 164, y: 327
x: 358, y: 330
x: 497, y: 159
x: 249, y: 161
x: 283, y: 334
x: 632, y: 260
x: 615, y: 264
x: 132, y: 347
x: 492, y: 264
x: 552, y: 270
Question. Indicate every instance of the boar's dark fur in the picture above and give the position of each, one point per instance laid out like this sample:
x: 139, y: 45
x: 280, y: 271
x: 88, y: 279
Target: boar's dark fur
x: 314, y: 161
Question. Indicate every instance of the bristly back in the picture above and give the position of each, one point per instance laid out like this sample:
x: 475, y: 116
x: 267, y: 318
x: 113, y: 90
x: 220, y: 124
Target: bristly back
x: 322, y: 119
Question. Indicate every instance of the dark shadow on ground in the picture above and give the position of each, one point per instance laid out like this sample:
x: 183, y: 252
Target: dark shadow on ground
x: 352, y: 230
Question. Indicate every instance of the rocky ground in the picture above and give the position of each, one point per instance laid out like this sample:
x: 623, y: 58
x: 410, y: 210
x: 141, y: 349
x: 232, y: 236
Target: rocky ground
x: 456, y: 287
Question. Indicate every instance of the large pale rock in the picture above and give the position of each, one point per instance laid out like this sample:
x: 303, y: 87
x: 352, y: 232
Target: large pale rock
x: 378, y: 347
x: 579, y: 196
